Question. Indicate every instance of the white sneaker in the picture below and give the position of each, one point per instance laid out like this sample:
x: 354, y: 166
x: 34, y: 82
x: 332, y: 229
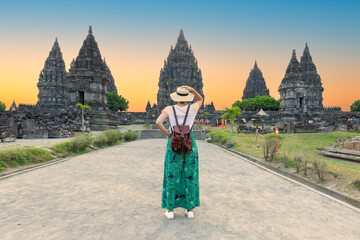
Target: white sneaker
x: 169, y: 215
x: 190, y: 214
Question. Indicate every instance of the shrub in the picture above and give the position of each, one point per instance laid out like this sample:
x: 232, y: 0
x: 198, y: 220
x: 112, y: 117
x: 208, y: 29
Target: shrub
x: 320, y: 168
x: 20, y: 156
x: 130, y: 135
x: 219, y: 138
x: 355, y: 107
x: 2, y: 106
x: 264, y: 102
x: 61, y: 149
x: 306, y: 160
x: 298, y: 162
x: 81, y: 142
x: 269, y: 147
x: 356, y: 183
x: 285, y: 159
x: 113, y: 135
x: 101, y: 140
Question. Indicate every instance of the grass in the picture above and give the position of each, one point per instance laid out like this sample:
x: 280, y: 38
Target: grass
x: 81, y: 143
x: 14, y: 157
x: 297, y: 143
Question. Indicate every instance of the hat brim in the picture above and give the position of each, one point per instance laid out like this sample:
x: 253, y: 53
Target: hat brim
x: 178, y: 98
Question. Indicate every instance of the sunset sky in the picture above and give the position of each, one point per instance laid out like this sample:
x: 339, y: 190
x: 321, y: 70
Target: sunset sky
x: 226, y: 36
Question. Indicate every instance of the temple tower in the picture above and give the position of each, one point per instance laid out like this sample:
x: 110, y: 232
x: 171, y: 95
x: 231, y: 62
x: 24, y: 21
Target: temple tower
x: 88, y: 82
x: 180, y: 68
x: 300, y: 90
x: 112, y: 86
x: 255, y: 84
x: 313, y: 80
x: 52, y: 82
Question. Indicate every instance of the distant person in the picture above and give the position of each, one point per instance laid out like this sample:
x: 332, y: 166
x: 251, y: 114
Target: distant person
x: 181, y: 170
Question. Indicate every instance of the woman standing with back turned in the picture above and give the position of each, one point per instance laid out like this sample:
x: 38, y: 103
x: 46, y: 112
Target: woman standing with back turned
x: 181, y: 170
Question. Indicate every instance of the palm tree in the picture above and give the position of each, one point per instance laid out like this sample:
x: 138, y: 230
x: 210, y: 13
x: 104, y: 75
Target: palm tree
x: 206, y: 113
x: 231, y: 114
x: 83, y: 107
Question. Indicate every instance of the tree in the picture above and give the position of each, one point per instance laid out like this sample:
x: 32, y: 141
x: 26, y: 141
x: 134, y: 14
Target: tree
x: 355, y: 107
x: 265, y: 102
x: 117, y: 102
x: 2, y: 106
x: 83, y: 107
x: 231, y: 114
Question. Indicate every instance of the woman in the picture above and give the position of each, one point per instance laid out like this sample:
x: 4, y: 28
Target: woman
x: 181, y: 170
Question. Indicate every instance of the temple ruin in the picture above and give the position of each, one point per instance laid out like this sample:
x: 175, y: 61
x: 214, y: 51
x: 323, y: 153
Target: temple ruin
x: 180, y: 68
x: 301, y: 90
x: 255, y: 84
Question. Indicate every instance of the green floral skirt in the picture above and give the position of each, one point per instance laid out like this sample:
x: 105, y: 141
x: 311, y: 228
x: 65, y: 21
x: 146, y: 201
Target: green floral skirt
x: 181, y: 178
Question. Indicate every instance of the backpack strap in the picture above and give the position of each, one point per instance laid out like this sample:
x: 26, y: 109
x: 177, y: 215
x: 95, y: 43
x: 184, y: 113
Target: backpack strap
x: 186, y: 114
x: 177, y: 123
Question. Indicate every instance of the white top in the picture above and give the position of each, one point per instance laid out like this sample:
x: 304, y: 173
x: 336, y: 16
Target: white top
x: 180, y: 113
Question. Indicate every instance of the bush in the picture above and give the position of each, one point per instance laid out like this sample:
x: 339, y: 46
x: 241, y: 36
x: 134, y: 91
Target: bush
x: 320, y: 168
x: 269, y: 147
x: 20, y: 156
x: 130, y: 135
x: 356, y: 183
x: 113, y: 135
x: 285, y: 159
x: 81, y: 142
x: 101, y: 140
x: 61, y: 149
x: 2, y: 106
x: 219, y: 138
x: 306, y: 160
x: 355, y: 107
x: 298, y: 162
x: 265, y: 102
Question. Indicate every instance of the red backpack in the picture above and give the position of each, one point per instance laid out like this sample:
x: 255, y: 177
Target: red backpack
x: 181, y: 140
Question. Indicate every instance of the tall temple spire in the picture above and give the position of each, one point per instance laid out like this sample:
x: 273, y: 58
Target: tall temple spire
x: 148, y: 107
x: 306, y: 61
x: 88, y: 81
x: 52, y: 81
x: 180, y: 68
x: 181, y: 35
x: 89, y: 55
x: 255, y: 65
x: 255, y: 84
x: 301, y: 89
x: 294, y: 65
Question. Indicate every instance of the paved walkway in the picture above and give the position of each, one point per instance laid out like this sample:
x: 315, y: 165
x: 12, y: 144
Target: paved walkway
x: 115, y: 193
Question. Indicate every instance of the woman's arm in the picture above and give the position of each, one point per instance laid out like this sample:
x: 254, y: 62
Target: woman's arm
x: 159, y: 123
x: 196, y: 94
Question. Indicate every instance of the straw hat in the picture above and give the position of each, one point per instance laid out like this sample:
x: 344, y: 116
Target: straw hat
x: 182, y: 95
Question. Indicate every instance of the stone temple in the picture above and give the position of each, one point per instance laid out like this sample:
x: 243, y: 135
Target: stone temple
x: 255, y: 84
x: 301, y: 90
x: 52, y: 82
x: 180, y: 68
x: 88, y: 82
x: 112, y: 86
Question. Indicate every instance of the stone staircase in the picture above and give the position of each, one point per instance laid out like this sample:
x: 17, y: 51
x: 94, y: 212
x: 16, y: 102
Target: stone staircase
x: 155, y: 133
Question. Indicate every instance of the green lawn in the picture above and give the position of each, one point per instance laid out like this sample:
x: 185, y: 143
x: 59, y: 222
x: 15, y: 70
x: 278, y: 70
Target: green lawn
x: 297, y: 143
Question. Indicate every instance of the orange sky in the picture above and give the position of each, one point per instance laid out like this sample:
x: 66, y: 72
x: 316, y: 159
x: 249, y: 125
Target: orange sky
x: 226, y: 37
x: 136, y: 70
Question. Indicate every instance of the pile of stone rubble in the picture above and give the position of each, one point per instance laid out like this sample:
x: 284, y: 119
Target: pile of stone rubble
x: 348, y: 149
